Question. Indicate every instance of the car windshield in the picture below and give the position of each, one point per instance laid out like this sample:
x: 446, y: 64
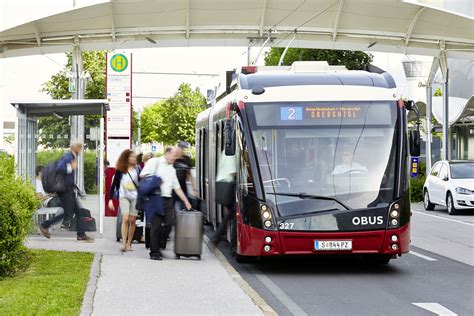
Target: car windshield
x: 463, y: 170
x: 342, y: 150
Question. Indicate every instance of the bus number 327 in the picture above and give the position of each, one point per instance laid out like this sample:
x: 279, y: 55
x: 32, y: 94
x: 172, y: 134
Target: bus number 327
x: 286, y: 225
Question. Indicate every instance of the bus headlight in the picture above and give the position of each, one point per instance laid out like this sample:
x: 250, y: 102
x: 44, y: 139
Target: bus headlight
x: 394, y: 247
x: 394, y: 238
x: 267, y: 216
x: 394, y: 214
x: 266, y: 248
x: 268, y: 239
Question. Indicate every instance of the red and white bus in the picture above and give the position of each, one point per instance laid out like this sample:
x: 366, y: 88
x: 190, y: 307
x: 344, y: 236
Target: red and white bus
x: 323, y: 160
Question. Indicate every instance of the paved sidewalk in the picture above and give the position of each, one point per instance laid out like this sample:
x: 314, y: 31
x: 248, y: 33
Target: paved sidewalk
x: 131, y: 284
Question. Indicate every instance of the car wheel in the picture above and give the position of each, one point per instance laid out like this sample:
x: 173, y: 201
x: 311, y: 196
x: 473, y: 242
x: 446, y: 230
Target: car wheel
x: 450, y: 204
x: 426, y: 202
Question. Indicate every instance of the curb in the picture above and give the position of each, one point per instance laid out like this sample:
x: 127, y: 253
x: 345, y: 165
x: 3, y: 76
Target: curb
x: 254, y: 296
x: 88, y: 300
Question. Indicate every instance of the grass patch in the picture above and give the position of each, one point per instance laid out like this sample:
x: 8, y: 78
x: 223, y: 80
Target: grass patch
x: 54, y: 284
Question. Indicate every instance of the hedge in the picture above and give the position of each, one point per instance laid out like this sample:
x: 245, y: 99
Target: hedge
x: 416, y: 184
x: 18, y: 202
x: 47, y: 156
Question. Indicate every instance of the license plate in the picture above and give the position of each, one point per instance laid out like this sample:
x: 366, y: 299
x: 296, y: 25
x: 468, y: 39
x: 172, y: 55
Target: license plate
x: 321, y: 245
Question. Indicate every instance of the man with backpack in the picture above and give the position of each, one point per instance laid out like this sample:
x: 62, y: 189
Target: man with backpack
x: 64, y: 173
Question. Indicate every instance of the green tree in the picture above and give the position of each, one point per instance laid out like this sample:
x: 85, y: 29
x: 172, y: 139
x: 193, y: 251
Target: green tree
x: 172, y: 120
x: 50, y: 128
x: 353, y: 60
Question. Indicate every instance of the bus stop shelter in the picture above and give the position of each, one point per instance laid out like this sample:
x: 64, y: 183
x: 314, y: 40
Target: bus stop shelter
x: 28, y: 113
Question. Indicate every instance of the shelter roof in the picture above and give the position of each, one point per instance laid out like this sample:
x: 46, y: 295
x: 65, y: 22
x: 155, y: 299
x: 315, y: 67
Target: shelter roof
x: 385, y: 25
x: 62, y: 107
x: 460, y: 110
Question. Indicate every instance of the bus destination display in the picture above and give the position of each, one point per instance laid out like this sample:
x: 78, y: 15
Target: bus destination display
x: 345, y: 113
x: 319, y: 112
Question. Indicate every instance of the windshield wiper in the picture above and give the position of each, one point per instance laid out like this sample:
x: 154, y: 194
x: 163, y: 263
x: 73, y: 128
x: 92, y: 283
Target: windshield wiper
x: 310, y: 196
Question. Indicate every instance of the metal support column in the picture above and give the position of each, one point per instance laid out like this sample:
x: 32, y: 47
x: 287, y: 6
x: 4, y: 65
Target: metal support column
x: 77, y: 121
x: 101, y: 177
x: 446, y: 136
x: 249, y: 48
x: 429, y: 104
x: 20, y: 143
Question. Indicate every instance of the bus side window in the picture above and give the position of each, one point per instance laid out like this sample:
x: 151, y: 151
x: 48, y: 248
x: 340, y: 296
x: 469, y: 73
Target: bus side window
x: 246, y: 183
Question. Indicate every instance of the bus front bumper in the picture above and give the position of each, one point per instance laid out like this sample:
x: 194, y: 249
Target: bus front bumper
x: 252, y: 242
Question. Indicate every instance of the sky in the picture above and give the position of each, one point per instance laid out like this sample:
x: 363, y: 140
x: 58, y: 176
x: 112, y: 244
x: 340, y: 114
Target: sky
x: 22, y: 77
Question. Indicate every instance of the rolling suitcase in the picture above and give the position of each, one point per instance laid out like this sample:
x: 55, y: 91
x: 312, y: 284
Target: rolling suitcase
x: 188, y: 234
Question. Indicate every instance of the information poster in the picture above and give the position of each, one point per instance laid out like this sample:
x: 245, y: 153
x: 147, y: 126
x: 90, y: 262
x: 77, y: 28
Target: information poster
x: 119, y: 95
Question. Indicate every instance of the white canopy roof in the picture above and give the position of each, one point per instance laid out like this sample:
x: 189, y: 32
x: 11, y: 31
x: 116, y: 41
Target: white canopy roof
x: 460, y: 110
x: 386, y: 25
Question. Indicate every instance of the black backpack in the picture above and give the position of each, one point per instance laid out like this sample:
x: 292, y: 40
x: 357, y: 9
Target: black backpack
x: 88, y: 222
x: 52, y: 181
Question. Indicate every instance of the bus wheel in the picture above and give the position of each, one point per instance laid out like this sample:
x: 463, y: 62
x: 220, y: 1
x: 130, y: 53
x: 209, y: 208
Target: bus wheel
x: 383, y: 259
x: 377, y: 259
x: 244, y: 259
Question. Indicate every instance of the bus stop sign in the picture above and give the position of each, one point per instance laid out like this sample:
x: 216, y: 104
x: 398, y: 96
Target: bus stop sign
x: 414, y: 167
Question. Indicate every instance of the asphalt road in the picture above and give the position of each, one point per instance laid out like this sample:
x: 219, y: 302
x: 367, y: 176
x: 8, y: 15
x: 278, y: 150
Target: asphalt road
x: 436, y: 277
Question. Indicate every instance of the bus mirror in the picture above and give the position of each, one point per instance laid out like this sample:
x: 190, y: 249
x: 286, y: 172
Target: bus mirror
x: 415, y: 143
x: 229, y: 134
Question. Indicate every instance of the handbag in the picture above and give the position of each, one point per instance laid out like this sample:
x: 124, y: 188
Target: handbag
x: 225, y: 193
x: 139, y: 202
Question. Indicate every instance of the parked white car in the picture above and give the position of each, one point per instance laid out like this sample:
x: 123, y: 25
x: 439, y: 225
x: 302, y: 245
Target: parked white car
x: 450, y: 184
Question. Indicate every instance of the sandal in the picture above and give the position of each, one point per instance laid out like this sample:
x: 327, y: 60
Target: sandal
x: 129, y: 248
x: 123, y: 248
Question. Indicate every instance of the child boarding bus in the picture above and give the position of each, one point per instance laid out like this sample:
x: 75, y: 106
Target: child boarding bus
x: 322, y: 161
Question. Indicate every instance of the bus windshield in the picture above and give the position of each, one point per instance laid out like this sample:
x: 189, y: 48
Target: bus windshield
x: 343, y: 150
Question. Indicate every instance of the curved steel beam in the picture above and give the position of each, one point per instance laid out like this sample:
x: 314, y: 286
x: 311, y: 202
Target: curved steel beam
x: 336, y: 19
x: 262, y: 17
x: 412, y: 24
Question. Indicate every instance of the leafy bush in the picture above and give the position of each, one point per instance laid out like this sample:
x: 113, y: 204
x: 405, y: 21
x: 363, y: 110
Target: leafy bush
x: 18, y: 202
x: 48, y: 156
x: 416, y: 184
x: 90, y: 172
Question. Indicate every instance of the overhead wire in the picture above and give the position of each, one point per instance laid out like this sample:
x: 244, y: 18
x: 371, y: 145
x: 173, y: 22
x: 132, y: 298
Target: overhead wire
x: 289, y: 14
x: 304, y: 23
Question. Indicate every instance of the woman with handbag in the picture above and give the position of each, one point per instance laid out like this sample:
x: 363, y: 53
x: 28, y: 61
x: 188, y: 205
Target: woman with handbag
x: 125, y: 188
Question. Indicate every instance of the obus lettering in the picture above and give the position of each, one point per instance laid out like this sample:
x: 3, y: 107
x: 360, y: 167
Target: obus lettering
x: 367, y: 220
